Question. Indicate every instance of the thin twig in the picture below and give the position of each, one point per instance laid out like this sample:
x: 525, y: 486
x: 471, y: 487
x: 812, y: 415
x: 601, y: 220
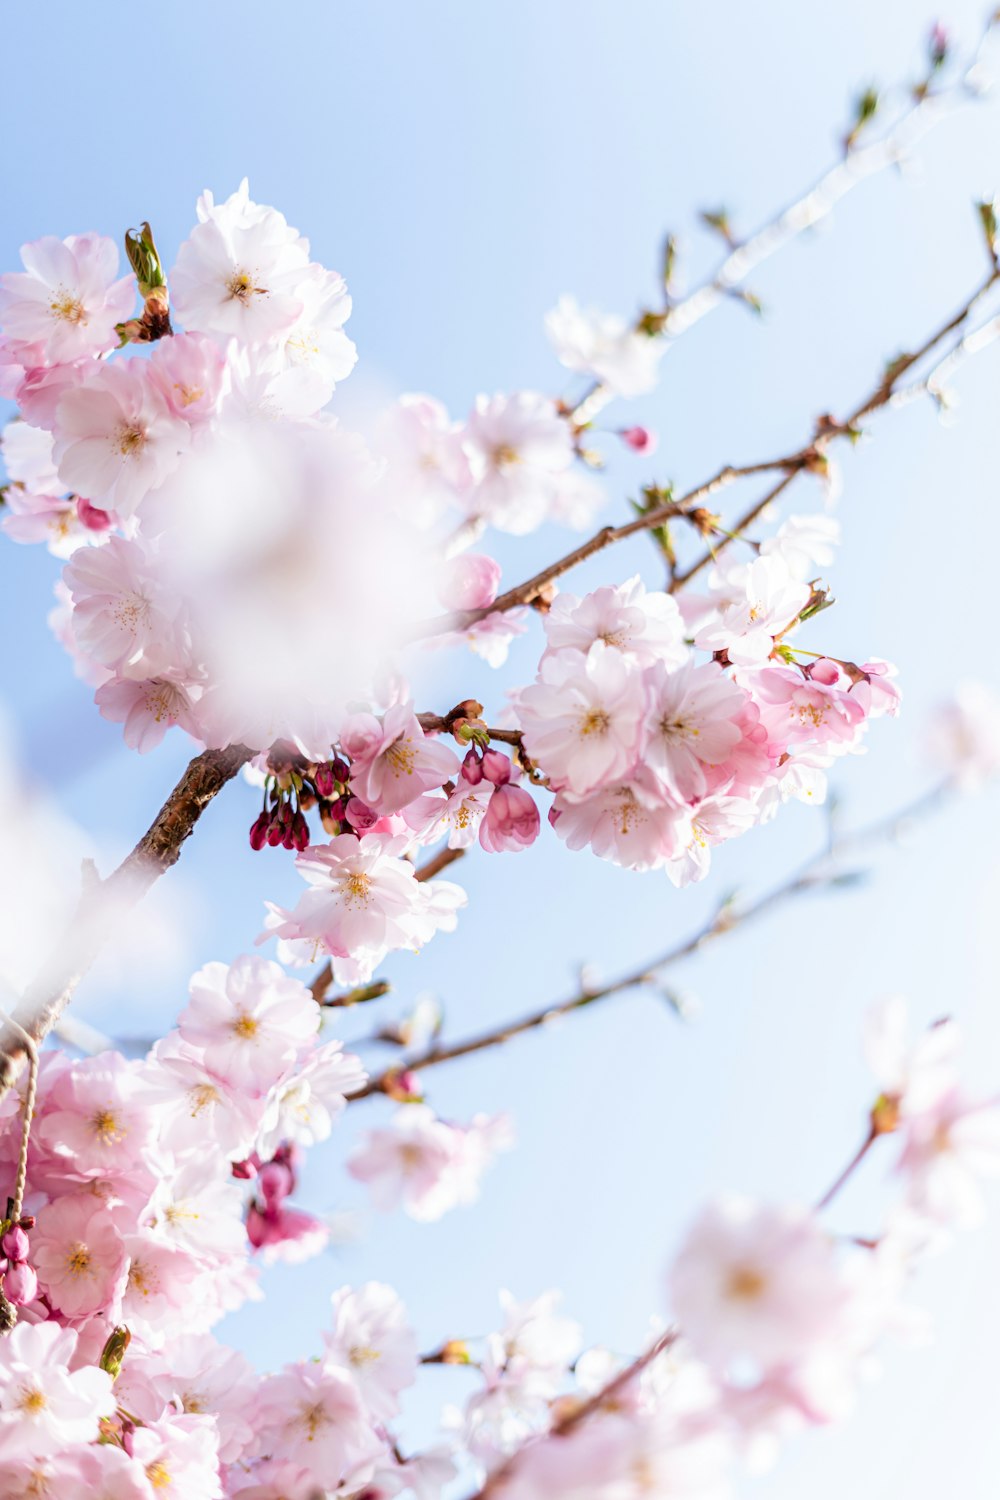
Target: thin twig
x: 819, y: 871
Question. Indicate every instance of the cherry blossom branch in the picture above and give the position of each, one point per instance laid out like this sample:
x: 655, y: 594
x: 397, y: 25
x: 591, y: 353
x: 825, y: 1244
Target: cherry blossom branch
x: 103, y: 902
x: 819, y: 872
x: 810, y: 458
x: 860, y: 161
x: 605, y: 1397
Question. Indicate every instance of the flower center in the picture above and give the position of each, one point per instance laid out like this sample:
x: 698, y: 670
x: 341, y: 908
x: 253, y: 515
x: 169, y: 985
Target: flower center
x: 504, y: 456
x: 107, y: 1127
x: 356, y: 888
x: 245, y: 1027
x: 67, y: 308
x: 312, y: 1418
x: 32, y: 1400
x: 363, y: 1354
x: 201, y: 1097
x: 745, y: 1283
x: 242, y: 287
x: 595, y: 721
x: 401, y: 757
x: 78, y: 1260
x: 130, y: 440
x: 158, y: 1475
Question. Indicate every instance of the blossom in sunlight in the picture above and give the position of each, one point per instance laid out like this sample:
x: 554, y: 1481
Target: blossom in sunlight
x: 248, y: 1020
x: 393, y: 761
x: 583, y: 720
x: 116, y: 439
x: 751, y: 605
x: 424, y: 1164
x: 240, y: 271
x: 518, y: 447
x: 66, y: 302
x: 44, y: 1407
x: 373, y: 1341
x: 363, y: 902
x: 604, y: 347
x: 964, y: 738
x: 756, y: 1283
x: 79, y: 1256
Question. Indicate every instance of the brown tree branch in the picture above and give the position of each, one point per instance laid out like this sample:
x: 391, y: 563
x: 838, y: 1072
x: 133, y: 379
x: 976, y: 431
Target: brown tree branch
x: 819, y: 872
x: 103, y: 902
x: 861, y: 160
x: 790, y: 465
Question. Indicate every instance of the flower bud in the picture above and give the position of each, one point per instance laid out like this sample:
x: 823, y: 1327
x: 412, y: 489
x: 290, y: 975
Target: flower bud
x: 15, y: 1243
x: 496, y: 767
x: 91, y: 516
x: 469, y: 581
x: 325, y: 781
x: 639, y: 439
x: 472, y: 767
x: 360, y: 816
x: 259, y: 831
x: 20, y: 1284
x: 276, y: 1180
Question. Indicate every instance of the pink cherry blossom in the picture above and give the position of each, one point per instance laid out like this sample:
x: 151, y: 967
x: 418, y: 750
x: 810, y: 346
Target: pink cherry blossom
x: 66, y: 301
x: 517, y: 447
x: 605, y: 347
x: 147, y: 709
x: 644, y: 625
x: 116, y: 439
x: 123, y: 618
x: 189, y: 369
x: 469, y: 581
x: 313, y: 1415
x: 180, y: 1457
x: 373, y: 1342
x: 583, y: 719
x: 512, y: 820
x: 392, y: 760
x: 240, y: 271
x: 79, y: 1256
x: 756, y: 1283
x: 693, y: 723
x: 249, y: 1020
x: 44, y: 1407
x: 364, y: 902
x: 750, y: 606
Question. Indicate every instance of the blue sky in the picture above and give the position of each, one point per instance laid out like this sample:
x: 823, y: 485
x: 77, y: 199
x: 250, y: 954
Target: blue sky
x: 462, y: 167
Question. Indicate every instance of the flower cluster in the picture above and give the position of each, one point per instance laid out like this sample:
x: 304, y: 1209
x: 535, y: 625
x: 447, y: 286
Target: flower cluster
x: 137, y: 1238
x: 776, y: 1317
x: 655, y: 756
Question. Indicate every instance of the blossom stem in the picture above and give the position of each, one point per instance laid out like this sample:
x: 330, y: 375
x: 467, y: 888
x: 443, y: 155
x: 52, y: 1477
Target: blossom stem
x: 848, y: 1171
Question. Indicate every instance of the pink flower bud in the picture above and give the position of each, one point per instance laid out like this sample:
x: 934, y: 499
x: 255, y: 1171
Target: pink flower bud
x: 511, y: 822
x: 91, y: 517
x: 258, y: 831
x: 20, y: 1284
x: 360, y: 816
x: 247, y: 1169
x: 496, y: 767
x: 326, y: 782
x: 639, y: 439
x: 276, y: 1181
x: 469, y: 581
x: 15, y: 1243
x: 472, y: 767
